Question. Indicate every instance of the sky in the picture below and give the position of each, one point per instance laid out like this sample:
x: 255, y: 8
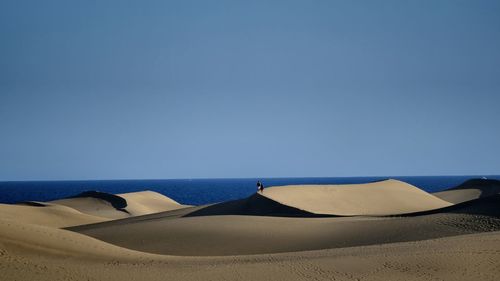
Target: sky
x: 231, y: 89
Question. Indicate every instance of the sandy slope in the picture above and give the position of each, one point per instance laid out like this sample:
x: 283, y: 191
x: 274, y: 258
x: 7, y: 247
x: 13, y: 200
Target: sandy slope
x: 53, y: 241
x: 470, y: 190
x: 135, y: 204
x: 30, y: 252
x: 46, y: 214
x: 85, y: 210
x: 93, y: 206
x: 181, y: 234
x: 387, y: 197
x: 148, y: 202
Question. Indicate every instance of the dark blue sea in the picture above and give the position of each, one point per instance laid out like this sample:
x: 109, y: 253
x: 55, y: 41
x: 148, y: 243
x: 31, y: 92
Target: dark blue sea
x: 197, y: 191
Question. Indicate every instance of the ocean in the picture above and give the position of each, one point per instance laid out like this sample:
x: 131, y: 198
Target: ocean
x: 198, y: 191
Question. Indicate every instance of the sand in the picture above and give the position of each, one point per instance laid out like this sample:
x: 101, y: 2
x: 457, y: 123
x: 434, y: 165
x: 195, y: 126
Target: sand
x: 135, y: 204
x: 86, y: 210
x: 379, y: 198
x: 258, y: 238
x: 46, y: 214
x: 470, y: 190
x: 148, y: 202
x: 180, y: 233
x: 44, y: 256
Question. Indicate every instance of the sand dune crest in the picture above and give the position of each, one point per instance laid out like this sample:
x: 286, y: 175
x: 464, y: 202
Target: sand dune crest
x: 470, y: 190
x: 389, y: 197
x: 119, y: 206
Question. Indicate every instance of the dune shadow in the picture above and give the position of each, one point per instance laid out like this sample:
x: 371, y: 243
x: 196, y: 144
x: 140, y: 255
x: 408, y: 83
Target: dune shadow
x: 33, y: 204
x: 485, y: 206
x: 488, y: 187
x: 255, y: 205
x: 488, y: 204
x: 116, y: 201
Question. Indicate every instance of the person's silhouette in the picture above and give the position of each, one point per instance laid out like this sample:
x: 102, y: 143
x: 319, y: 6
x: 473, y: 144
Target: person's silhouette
x: 260, y: 187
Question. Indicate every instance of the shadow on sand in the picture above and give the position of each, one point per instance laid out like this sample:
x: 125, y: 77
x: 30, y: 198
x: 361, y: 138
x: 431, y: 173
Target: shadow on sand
x: 255, y: 205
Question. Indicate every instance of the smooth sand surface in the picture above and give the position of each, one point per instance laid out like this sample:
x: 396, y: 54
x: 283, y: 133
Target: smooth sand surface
x: 85, y: 210
x: 387, y: 197
x: 148, y: 202
x: 46, y: 214
x: 181, y: 234
x: 470, y: 190
x: 93, y: 206
x: 29, y: 252
x: 256, y: 238
x: 459, y: 196
x: 136, y: 204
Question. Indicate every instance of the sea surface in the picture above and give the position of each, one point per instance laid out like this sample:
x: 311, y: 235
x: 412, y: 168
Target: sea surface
x: 198, y: 191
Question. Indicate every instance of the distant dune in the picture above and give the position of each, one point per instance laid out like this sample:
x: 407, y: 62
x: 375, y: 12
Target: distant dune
x: 46, y: 214
x: 470, y: 190
x: 88, y: 207
x: 119, y: 206
x: 387, y: 197
x: 148, y: 202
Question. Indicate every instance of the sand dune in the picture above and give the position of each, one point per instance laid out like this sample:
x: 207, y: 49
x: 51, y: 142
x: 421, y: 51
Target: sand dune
x: 87, y: 209
x: 46, y: 214
x: 255, y: 205
x: 53, y: 241
x: 148, y: 202
x: 387, y: 197
x: 182, y: 234
x: 121, y: 205
x: 470, y: 190
x: 93, y: 206
x: 29, y: 252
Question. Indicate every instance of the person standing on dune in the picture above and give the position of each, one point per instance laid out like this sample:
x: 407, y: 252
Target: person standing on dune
x: 260, y: 187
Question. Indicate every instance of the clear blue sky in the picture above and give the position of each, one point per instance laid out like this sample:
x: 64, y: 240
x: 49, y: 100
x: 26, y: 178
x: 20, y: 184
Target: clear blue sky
x: 201, y: 89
